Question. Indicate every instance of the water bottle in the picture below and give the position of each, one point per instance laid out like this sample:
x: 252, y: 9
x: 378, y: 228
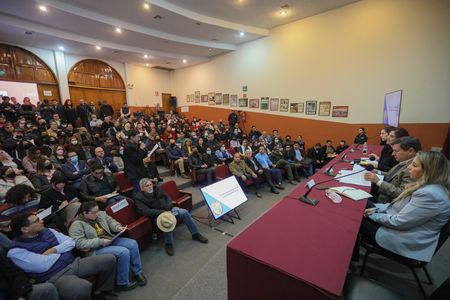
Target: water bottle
x: 364, y: 150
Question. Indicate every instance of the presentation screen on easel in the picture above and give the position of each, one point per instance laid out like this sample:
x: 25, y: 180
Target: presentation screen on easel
x: 223, y: 196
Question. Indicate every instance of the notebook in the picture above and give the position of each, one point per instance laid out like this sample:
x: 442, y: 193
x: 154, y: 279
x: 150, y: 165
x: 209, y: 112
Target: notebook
x: 350, y: 192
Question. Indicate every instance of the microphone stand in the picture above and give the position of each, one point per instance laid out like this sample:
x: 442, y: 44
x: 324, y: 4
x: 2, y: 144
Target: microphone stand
x: 314, y: 202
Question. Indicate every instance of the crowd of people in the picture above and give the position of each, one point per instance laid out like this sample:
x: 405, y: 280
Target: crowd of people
x: 63, y: 159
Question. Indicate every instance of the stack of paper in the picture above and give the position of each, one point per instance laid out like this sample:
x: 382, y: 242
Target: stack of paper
x: 352, y: 193
x: 357, y: 178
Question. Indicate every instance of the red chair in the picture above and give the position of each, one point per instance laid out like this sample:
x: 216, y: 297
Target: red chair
x: 222, y: 172
x: 139, y: 227
x: 232, y: 151
x: 196, y: 177
x: 125, y: 186
x: 179, y: 198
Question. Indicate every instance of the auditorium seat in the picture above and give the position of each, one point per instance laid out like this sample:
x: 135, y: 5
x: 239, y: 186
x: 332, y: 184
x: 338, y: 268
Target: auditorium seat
x: 125, y: 186
x: 222, y: 172
x: 181, y: 199
x: 139, y: 227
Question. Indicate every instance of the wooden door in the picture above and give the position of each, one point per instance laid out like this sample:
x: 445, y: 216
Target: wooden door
x: 115, y: 98
x: 166, y: 102
x: 48, y: 89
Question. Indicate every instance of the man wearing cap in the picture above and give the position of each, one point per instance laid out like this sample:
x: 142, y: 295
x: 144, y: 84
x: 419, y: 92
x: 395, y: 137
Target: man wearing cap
x: 151, y: 201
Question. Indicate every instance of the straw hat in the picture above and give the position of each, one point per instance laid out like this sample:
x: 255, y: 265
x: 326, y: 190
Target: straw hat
x: 166, y: 221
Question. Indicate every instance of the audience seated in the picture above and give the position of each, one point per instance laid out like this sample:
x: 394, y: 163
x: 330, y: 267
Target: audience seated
x: 74, y: 169
x: 99, y: 187
x: 276, y: 157
x: 93, y: 231
x: 45, y: 255
x: 202, y: 166
x: 151, y: 201
x: 243, y: 172
x: 10, y: 177
x: 265, y: 163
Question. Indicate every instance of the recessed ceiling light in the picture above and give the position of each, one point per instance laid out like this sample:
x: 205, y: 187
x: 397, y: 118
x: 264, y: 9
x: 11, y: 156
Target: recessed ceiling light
x: 118, y: 30
x: 284, y: 10
x: 210, y: 49
x: 43, y: 8
x: 145, y: 56
x: 184, y: 61
x: 147, y: 65
x: 61, y: 48
x: 242, y: 33
x: 146, y: 6
x: 98, y: 47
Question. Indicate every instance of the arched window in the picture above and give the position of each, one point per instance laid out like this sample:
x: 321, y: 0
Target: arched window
x: 18, y: 64
x: 94, y: 81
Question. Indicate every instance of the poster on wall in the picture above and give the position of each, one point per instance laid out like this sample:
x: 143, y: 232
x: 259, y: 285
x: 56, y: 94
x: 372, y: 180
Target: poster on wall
x: 324, y: 108
x: 188, y: 98
x: 243, y: 102
x: 311, y: 107
x: 218, y: 99
x: 204, y: 98
x: 197, y: 96
x: 265, y: 103
x: 254, y: 103
x: 340, y: 111
x: 274, y: 104
x: 226, y: 99
x: 211, y: 97
x: 233, y: 100
x: 284, y: 105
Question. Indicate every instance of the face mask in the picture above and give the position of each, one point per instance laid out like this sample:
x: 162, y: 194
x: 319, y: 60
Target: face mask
x: 276, y: 140
x: 150, y: 191
x: 74, y: 159
x: 208, y: 152
x: 222, y: 148
x: 121, y: 151
x: 60, y: 152
x: 74, y: 142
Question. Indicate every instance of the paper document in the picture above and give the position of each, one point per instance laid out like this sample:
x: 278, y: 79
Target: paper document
x: 357, y: 178
x: 44, y: 213
x: 153, y: 150
x: 119, y: 233
x: 113, y: 194
x: 352, y: 193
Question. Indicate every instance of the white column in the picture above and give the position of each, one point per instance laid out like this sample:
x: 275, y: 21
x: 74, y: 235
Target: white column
x: 61, y: 72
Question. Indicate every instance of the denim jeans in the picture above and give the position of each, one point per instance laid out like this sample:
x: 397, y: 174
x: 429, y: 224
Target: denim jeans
x: 127, y: 254
x: 276, y: 175
x: 181, y: 213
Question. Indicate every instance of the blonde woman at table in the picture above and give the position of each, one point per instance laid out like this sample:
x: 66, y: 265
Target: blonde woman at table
x: 410, y: 225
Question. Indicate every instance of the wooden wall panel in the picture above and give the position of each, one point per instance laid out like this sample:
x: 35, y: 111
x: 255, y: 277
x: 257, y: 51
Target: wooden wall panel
x: 95, y: 73
x: 114, y: 98
x: 48, y: 87
x: 22, y: 65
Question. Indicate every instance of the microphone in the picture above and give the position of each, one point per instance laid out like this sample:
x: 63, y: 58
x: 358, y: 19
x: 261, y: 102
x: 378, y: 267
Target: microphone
x: 328, y: 170
x: 314, y: 202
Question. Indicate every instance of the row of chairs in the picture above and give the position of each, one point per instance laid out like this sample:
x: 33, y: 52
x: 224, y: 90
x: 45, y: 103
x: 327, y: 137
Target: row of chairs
x: 140, y: 228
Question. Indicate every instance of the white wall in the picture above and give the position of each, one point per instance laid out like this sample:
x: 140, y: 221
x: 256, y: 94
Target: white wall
x: 145, y: 82
x: 350, y: 56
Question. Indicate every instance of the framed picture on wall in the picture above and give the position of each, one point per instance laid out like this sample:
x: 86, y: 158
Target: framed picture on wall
x: 211, y: 97
x: 311, y: 107
x: 243, y: 102
x: 293, y: 108
x: 226, y: 99
x: 188, y: 98
x: 192, y: 98
x: 340, y: 111
x: 265, y: 103
x: 233, y: 100
x: 300, y: 107
x: 254, y: 103
x: 274, y: 104
x: 204, y: 98
x: 218, y: 99
x: 324, y: 108
x: 197, y: 96
x: 284, y: 105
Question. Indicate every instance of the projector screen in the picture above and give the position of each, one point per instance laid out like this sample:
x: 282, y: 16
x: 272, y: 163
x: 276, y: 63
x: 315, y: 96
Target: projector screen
x: 392, y: 104
x: 223, y: 196
x: 19, y: 90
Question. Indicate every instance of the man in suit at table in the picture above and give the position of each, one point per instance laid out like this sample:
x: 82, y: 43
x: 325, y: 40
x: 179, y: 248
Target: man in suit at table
x: 404, y: 150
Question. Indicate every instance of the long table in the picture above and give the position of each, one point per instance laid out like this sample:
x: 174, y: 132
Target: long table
x: 298, y: 251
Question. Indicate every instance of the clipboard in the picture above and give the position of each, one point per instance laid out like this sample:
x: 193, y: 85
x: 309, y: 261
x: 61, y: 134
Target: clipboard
x: 119, y: 233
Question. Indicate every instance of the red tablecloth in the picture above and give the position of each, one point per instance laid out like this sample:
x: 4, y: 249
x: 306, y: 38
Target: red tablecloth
x: 295, y: 249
